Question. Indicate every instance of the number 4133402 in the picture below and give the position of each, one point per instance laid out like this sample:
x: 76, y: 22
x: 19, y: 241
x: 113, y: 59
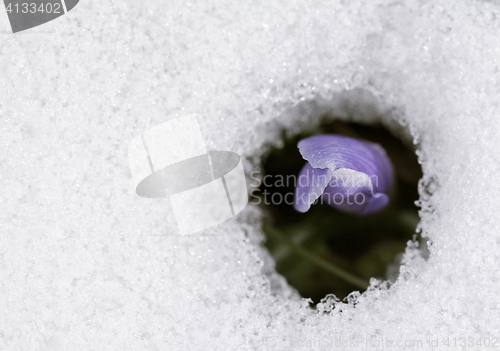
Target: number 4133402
x: 471, y: 342
x: 34, y: 8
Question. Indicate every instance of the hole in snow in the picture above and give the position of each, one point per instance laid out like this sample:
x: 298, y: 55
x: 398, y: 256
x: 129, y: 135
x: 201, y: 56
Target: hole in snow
x: 366, y: 247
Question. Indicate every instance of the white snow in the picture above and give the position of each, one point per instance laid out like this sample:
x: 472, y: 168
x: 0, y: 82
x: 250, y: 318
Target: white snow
x: 86, y: 264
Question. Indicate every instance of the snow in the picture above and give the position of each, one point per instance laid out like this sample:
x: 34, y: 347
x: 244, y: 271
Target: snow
x: 86, y: 264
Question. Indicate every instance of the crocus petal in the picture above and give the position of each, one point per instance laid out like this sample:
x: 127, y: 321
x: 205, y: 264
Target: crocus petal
x: 358, y: 172
x: 352, y: 191
x: 310, y: 186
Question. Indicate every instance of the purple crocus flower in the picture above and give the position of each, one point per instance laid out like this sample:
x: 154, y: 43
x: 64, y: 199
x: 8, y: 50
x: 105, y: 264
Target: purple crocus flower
x: 349, y: 174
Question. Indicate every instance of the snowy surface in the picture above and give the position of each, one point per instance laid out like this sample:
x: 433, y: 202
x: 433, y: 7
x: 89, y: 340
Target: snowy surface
x: 85, y: 264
